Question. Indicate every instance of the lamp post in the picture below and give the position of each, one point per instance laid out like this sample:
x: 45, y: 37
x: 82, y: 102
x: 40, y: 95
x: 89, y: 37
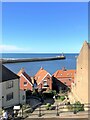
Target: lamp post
x: 39, y: 112
x: 57, y: 114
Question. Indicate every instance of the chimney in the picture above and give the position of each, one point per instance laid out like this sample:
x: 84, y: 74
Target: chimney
x: 64, y: 69
x: 41, y: 68
x: 22, y: 70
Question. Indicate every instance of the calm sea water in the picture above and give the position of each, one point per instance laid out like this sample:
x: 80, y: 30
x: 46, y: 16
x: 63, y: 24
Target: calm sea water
x: 32, y: 67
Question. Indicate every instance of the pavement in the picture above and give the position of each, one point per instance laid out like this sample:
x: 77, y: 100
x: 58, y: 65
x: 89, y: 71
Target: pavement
x: 61, y: 115
x: 54, y: 118
x: 52, y: 114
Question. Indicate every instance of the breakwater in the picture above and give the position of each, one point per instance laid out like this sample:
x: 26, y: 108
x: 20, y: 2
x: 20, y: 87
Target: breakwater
x: 11, y: 60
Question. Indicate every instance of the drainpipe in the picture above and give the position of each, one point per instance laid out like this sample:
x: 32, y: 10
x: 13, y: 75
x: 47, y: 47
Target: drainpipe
x: 2, y: 101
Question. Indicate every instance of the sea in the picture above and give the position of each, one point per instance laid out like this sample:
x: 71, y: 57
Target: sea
x: 32, y: 68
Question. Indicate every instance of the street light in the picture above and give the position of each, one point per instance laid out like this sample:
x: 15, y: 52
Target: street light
x: 39, y: 112
x: 57, y: 111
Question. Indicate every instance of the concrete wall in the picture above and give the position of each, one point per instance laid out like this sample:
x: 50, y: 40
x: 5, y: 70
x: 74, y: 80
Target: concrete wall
x: 80, y: 87
x: 89, y: 74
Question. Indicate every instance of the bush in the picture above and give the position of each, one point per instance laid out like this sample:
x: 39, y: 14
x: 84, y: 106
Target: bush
x: 78, y: 106
x: 34, y: 93
x: 53, y: 92
x: 62, y: 98
x: 57, y: 97
x: 47, y: 95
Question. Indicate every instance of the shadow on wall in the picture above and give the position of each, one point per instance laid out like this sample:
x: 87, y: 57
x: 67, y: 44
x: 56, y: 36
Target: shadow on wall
x: 58, y: 85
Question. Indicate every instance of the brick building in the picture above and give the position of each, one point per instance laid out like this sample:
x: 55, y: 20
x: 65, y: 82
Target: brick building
x: 43, y: 80
x: 25, y: 80
x: 65, y: 76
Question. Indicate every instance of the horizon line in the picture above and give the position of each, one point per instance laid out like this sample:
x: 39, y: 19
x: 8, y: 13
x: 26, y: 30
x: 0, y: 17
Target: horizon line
x: 39, y: 53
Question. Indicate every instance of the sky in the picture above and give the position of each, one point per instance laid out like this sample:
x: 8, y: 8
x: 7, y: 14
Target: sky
x: 44, y: 27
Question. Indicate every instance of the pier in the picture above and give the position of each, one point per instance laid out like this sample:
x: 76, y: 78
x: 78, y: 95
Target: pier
x: 19, y: 60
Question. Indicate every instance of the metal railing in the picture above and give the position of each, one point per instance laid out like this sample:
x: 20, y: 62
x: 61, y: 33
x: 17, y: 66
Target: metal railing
x: 57, y: 110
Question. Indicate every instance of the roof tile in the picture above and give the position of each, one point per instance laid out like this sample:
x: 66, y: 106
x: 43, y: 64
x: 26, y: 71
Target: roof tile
x: 65, y: 76
x: 40, y: 75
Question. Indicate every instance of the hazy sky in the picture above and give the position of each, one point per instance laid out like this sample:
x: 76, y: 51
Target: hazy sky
x: 44, y: 27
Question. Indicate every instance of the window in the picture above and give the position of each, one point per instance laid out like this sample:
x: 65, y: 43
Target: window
x: 9, y: 96
x: 25, y: 83
x: 45, y: 80
x: 70, y: 79
x: 48, y: 77
x: 9, y: 84
x: 45, y: 83
x: 23, y: 97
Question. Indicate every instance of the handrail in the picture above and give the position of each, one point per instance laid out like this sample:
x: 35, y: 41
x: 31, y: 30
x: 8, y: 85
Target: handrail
x: 58, y: 110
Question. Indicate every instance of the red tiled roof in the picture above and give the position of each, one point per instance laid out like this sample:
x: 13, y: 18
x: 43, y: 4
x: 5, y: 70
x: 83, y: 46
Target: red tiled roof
x: 65, y: 76
x: 22, y: 71
x: 64, y: 73
x: 40, y: 75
